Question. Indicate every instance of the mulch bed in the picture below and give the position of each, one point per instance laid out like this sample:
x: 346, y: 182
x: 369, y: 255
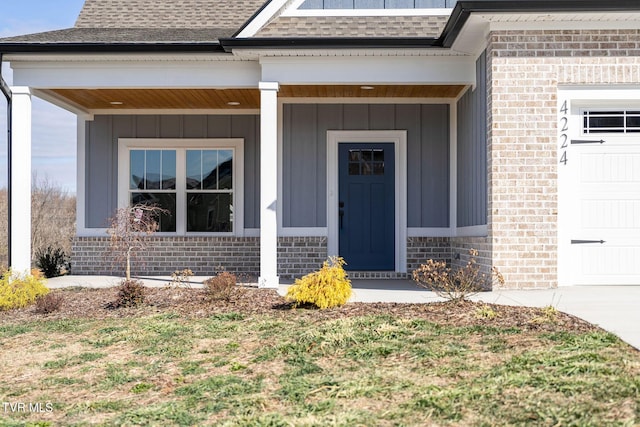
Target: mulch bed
x: 82, y: 303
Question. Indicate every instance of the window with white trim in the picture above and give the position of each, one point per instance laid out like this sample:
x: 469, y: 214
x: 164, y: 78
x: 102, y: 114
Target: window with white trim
x: 198, y: 182
x: 614, y: 121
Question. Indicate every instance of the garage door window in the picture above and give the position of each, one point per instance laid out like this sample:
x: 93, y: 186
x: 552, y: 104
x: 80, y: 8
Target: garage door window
x: 619, y: 121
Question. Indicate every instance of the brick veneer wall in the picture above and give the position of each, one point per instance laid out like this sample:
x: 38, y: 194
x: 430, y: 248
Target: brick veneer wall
x: 164, y: 255
x: 203, y: 255
x: 524, y: 70
x: 297, y: 256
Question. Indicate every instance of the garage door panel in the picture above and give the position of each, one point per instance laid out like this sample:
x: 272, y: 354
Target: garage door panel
x: 611, y: 214
x: 605, y: 168
x: 605, y: 233
x: 608, y: 263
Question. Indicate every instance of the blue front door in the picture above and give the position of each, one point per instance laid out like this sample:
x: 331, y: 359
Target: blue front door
x: 367, y: 206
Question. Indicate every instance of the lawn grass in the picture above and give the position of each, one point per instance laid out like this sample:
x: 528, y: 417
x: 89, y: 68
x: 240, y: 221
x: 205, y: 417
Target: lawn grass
x: 291, y: 368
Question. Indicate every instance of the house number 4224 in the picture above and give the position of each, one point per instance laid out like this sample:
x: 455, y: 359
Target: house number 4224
x: 564, y: 128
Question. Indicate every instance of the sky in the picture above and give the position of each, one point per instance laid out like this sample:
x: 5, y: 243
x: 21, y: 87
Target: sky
x: 53, y: 129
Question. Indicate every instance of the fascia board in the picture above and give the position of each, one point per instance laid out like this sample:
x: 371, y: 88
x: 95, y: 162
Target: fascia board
x: 137, y: 74
x: 349, y: 70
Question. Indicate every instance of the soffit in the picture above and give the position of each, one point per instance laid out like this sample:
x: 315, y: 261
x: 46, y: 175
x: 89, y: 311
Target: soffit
x: 204, y: 99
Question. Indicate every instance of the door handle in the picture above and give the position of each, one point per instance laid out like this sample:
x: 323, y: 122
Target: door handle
x: 341, y: 212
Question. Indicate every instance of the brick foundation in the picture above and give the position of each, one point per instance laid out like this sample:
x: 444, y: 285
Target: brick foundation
x: 205, y: 256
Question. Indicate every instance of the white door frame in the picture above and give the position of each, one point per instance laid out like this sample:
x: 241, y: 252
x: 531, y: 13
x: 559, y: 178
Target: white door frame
x: 399, y: 140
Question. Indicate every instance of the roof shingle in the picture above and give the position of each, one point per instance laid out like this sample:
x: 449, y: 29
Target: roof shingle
x: 355, y: 26
x: 166, y: 13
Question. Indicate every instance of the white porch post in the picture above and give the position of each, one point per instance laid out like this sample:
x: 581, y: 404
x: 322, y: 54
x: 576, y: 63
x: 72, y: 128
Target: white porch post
x: 21, y: 179
x: 268, y: 185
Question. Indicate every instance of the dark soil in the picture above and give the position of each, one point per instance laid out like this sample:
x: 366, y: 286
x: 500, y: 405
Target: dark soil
x: 99, y: 304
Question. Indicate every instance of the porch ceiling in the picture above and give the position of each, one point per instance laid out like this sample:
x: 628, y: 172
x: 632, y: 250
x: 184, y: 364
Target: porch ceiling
x: 127, y: 99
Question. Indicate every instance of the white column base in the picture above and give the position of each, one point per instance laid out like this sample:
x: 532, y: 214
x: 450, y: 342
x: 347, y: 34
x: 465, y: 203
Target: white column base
x: 272, y: 282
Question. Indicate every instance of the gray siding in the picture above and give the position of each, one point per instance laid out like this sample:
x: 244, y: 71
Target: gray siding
x: 472, y: 152
x: 305, y: 157
x: 102, y: 153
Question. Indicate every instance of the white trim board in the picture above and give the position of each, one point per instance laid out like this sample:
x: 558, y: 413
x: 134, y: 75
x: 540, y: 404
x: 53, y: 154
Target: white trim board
x: 399, y: 139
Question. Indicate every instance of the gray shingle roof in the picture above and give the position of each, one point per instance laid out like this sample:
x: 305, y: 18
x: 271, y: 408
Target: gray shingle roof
x: 166, y: 13
x: 124, y: 35
x: 150, y: 21
x: 206, y: 21
x: 355, y: 26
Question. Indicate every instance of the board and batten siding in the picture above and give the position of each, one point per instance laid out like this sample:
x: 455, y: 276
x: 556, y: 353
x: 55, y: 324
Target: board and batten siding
x: 102, y: 136
x: 304, y: 159
x: 472, y: 152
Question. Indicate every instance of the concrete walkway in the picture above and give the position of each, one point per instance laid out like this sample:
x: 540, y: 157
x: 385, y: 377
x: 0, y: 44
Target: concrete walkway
x: 613, y: 308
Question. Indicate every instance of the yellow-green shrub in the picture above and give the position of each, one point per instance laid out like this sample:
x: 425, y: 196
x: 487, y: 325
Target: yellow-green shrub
x: 19, y: 290
x: 326, y: 288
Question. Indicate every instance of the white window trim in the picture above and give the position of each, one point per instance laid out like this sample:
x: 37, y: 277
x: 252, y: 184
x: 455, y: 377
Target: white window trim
x: 399, y: 139
x: 181, y: 145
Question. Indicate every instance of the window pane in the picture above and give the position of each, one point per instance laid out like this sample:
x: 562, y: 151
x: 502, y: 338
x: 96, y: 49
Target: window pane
x: 369, y: 4
x: 399, y: 4
x: 136, y: 162
x: 606, y: 122
x: 633, y: 122
x: 152, y: 170
x: 209, y: 212
x: 311, y: 4
x: 168, y: 170
x: 210, y: 169
x: 338, y: 4
x: 225, y: 169
x: 165, y: 201
x: 432, y: 4
x: 194, y: 169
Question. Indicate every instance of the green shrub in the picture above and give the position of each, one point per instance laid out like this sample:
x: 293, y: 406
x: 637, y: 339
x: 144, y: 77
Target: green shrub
x: 326, y: 288
x: 19, y: 290
x: 52, y: 261
x: 131, y: 293
x: 220, y: 287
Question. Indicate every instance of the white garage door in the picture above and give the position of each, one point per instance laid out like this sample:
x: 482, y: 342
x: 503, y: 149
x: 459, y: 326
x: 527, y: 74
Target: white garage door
x: 605, y: 237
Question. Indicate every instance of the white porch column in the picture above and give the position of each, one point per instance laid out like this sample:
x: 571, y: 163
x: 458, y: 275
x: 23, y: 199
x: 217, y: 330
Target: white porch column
x: 268, y: 185
x: 21, y: 179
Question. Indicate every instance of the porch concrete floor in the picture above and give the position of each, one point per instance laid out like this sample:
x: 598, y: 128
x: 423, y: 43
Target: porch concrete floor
x: 613, y: 308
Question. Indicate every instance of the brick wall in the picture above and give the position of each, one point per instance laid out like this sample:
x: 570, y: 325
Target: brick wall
x: 524, y: 70
x: 205, y: 256
x: 298, y: 256
x: 164, y: 255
